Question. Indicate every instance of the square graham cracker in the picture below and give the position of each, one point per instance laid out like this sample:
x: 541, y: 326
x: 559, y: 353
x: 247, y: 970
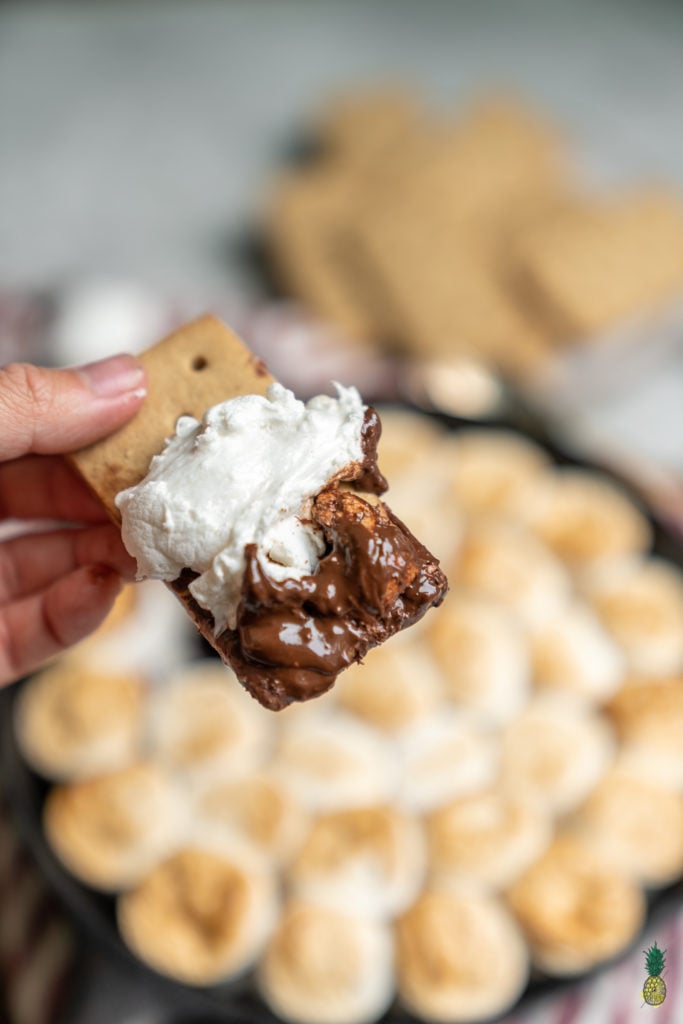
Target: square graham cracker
x: 601, y: 262
x: 305, y: 231
x: 197, y: 366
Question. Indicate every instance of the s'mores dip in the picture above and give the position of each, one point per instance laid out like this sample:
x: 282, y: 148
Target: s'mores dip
x: 501, y: 785
x: 262, y: 513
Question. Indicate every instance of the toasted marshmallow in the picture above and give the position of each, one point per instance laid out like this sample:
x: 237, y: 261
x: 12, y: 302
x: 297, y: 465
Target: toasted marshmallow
x: 396, y: 686
x: 147, y: 631
x: 256, y: 808
x: 407, y: 439
x: 460, y: 956
x: 648, y: 718
x: 444, y: 757
x: 505, y: 562
x: 312, y: 710
x: 201, y: 916
x: 488, y: 837
x: 73, y: 721
x: 333, y: 762
x: 482, y: 652
x: 203, y: 725
x: 574, y: 654
x: 413, y: 452
x: 575, y: 909
x: 640, y: 602
x: 365, y: 860
x: 636, y: 825
x: 125, y: 608
x: 555, y: 753
x: 586, y: 519
x: 322, y: 966
x: 420, y: 499
x: 111, y: 830
x: 491, y: 470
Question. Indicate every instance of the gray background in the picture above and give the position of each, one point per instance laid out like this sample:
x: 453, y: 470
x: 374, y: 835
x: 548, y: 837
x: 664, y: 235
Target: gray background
x: 137, y: 138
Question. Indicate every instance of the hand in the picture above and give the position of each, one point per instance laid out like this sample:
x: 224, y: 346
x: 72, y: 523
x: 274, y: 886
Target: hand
x: 57, y: 585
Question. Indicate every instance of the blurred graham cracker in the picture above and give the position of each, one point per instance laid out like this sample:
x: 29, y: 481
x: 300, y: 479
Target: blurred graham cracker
x: 470, y: 236
x: 197, y: 366
x: 354, y: 127
x: 433, y: 239
x: 600, y: 262
x: 350, y: 234
x: 312, y: 207
x: 447, y: 300
x: 304, y: 230
x: 469, y: 171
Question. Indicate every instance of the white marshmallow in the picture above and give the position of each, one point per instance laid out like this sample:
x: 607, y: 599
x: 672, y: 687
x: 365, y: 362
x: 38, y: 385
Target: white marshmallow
x: 243, y: 475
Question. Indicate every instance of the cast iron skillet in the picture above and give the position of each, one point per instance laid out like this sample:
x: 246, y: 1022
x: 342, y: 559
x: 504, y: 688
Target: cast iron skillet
x: 235, y: 1002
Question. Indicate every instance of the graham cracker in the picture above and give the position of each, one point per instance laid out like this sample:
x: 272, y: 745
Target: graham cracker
x: 355, y: 126
x: 468, y: 173
x: 312, y: 210
x: 305, y: 231
x: 599, y: 262
x: 448, y: 296
x: 433, y: 236
x: 197, y: 366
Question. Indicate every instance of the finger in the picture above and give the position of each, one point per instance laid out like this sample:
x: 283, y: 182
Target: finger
x: 33, y: 561
x: 46, y: 487
x: 52, y: 411
x: 40, y: 626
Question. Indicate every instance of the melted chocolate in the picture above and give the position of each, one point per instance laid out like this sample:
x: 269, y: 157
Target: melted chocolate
x: 294, y: 637
x: 375, y: 580
x: 370, y: 479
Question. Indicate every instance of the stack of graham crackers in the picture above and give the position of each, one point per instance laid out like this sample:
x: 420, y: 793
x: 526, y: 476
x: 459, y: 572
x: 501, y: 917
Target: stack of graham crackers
x: 467, y: 236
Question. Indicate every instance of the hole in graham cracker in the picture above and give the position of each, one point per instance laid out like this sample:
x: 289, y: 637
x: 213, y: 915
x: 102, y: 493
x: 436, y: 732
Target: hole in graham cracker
x: 199, y: 363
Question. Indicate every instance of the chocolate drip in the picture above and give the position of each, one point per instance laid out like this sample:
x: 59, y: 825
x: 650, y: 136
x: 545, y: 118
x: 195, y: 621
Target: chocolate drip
x: 370, y: 479
x: 375, y: 580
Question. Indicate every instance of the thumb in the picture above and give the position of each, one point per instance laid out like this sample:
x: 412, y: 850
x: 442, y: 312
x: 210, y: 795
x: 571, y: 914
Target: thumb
x: 54, y: 411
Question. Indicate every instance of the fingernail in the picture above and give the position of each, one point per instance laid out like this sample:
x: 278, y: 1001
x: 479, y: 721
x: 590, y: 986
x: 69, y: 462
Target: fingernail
x: 117, y: 375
